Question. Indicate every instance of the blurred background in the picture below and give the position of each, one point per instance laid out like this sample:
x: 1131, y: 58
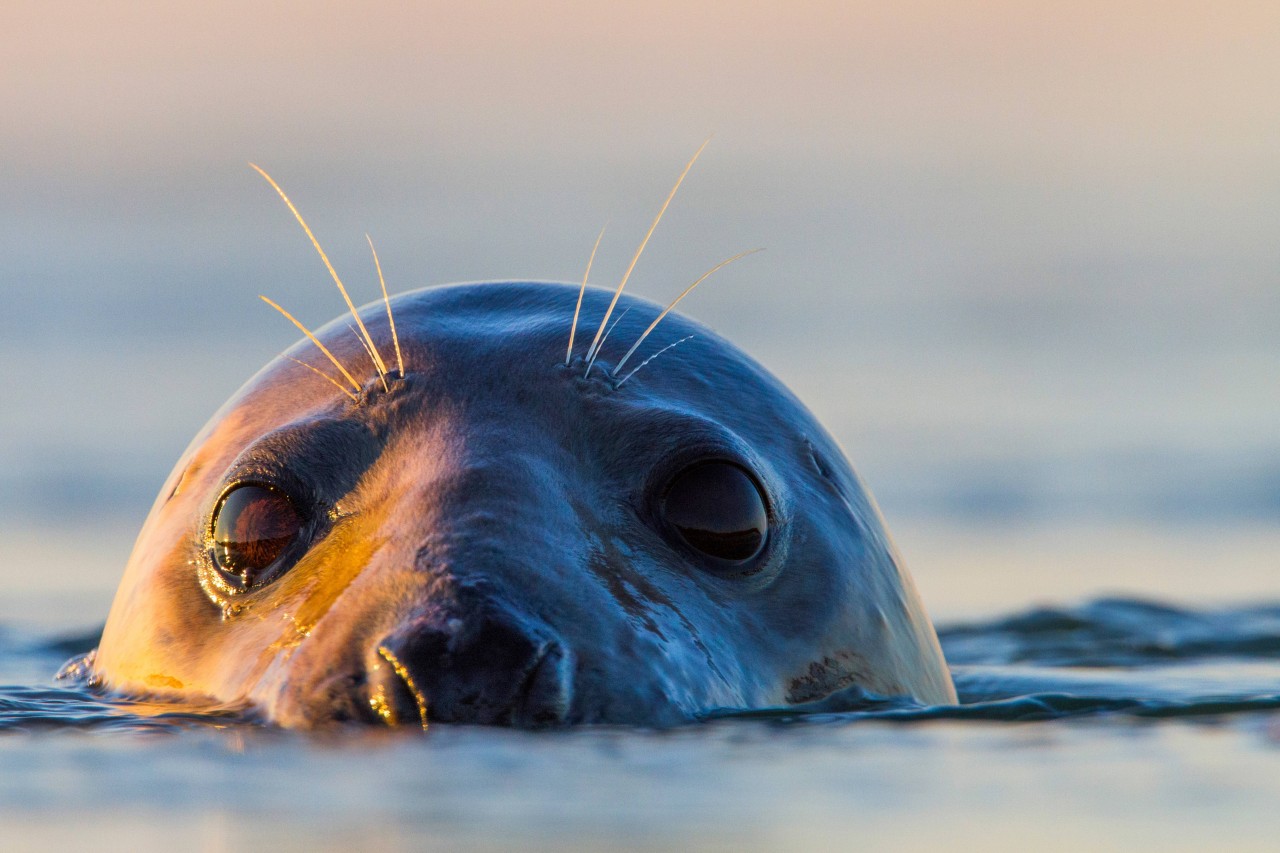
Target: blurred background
x: 1023, y: 258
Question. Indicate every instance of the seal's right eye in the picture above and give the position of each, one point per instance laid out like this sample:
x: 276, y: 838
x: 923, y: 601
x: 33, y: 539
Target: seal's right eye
x: 252, y: 527
x: 718, y: 510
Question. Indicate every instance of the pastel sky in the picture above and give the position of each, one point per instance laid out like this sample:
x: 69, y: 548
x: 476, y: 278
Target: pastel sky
x: 1060, y: 87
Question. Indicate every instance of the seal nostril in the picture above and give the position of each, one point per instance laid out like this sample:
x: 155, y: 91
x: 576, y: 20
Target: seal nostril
x: 492, y: 667
x: 546, y: 693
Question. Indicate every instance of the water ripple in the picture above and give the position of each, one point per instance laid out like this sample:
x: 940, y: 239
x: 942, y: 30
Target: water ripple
x: 1123, y: 658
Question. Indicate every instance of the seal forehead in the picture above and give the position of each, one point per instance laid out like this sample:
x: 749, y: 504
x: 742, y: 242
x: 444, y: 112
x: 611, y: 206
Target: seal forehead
x: 526, y: 326
x: 515, y: 335
x: 504, y: 344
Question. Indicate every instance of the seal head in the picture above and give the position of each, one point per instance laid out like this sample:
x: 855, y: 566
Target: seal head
x: 496, y: 536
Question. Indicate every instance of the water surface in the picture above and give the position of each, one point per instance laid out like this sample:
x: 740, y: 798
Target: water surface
x: 1113, y: 723
x: 1021, y: 259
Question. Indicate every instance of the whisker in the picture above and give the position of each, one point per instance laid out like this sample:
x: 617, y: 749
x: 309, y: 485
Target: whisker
x: 706, y: 275
x: 315, y: 341
x: 325, y: 376
x: 377, y: 359
x: 581, y: 292
x: 616, y: 321
x: 391, y: 321
x: 369, y: 352
x: 594, y: 350
x: 652, y: 357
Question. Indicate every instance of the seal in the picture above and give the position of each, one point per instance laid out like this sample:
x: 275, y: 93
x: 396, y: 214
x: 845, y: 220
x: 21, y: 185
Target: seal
x: 489, y: 529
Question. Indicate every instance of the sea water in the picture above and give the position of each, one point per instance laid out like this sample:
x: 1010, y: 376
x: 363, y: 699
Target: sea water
x: 1070, y: 424
x: 1109, y: 725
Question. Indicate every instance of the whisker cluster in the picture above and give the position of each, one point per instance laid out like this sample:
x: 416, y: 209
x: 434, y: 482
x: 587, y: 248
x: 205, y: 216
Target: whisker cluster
x: 314, y: 340
x: 593, y: 351
x: 603, y: 332
x: 362, y: 334
x: 706, y: 275
x: 325, y: 376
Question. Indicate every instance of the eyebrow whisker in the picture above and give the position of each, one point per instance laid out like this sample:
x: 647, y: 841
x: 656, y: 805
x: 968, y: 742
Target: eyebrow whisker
x: 594, y: 350
x: 652, y: 357
x: 391, y: 321
x: 616, y: 321
x: 582, y: 292
x: 378, y: 363
x: 382, y: 376
x: 315, y: 341
x: 706, y: 275
x: 325, y: 376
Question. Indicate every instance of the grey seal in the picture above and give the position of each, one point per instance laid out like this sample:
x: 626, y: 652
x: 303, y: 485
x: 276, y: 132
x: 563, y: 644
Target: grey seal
x: 490, y: 528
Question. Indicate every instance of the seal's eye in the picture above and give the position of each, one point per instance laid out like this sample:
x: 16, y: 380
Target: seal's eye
x: 717, y: 509
x: 252, y: 527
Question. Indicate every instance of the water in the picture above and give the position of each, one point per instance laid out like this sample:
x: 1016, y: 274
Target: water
x: 1160, y: 723
x: 1021, y: 261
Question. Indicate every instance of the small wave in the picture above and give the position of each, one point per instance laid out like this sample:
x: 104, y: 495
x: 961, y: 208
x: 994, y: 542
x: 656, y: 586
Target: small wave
x: 26, y: 709
x: 1116, y: 632
x: 1126, y: 658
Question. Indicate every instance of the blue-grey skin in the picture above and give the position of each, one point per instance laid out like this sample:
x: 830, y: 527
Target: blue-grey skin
x: 485, y: 541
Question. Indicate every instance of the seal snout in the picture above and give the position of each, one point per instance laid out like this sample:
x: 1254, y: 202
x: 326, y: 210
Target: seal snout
x: 490, y: 667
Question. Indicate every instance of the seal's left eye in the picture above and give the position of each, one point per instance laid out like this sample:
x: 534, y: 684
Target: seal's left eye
x: 718, y: 510
x: 252, y: 527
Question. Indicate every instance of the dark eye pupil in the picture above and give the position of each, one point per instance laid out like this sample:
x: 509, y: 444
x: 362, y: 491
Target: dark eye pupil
x: 252, y: 528
x: 718, y: 510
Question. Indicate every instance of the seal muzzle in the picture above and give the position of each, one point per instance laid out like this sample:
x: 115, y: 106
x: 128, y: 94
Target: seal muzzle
x: 489, y: 666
